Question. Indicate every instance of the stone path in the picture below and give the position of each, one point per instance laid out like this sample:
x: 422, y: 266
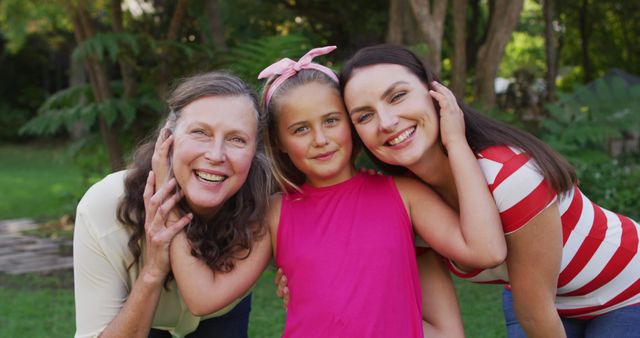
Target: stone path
x: 21, y: 254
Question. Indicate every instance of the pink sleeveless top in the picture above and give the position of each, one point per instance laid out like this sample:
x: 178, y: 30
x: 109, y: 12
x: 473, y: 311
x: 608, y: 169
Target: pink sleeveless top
x: 347, y: 251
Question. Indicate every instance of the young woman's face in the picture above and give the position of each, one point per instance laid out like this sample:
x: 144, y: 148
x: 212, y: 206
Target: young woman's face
x: 214, y: 144
x: 313, y: 130
x: 393, y: 113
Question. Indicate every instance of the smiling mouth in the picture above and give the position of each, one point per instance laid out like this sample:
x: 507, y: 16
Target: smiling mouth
x: 402, y: 137
x: 324, y: 156
x: 211, y: 178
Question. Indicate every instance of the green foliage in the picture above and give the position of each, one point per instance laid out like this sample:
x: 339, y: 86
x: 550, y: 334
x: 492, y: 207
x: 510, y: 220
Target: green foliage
x: 524, y: 50
x: 76, y: 104
x: 580, y: 127
x: 11, y: 119
x: 611, y: 27
x: 591, y: 116
x: 249, y: 58
x: 20, y: 18
x: 109, y: 44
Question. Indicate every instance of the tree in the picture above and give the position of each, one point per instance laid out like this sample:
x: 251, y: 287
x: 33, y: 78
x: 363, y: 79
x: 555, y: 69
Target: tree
x: 430, y: 15
x: 215, y: 25
x: 97, y: 73
x: 459, y: 56
x: 394, y: 28
x: 504, y: 15
x: 551, y: 47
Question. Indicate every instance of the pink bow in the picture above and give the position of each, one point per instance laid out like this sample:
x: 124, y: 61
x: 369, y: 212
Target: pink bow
x: 287, y: 68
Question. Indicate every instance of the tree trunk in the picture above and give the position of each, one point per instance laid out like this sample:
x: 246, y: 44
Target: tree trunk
x: 215, y: 25
x: 459, y: 57
x: 503, y: 21
x: 77, y: 77
x: 430, y: 15
x: 127, y: 66
x: 83, y: 30
x: 551, y: 47
x: 584, y: 40
x: 125, y: 60
x: 172, y: 35
x: 472, y: 42
x: 394, y: 27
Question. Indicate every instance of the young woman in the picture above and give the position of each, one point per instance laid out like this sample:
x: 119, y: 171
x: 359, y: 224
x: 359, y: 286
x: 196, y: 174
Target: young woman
x: 121, y: 243
x: 345, y: 239
x: 569, y: 261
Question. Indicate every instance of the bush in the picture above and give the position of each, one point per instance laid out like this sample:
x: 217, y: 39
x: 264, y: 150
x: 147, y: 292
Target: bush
x: 11, y: 119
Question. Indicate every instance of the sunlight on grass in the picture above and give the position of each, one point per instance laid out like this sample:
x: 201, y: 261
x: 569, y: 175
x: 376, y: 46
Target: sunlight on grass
x: 38, y: 181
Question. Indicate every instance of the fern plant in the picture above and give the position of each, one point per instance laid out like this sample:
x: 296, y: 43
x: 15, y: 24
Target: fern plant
x: 76, y: 104
x: 249, y: 58
x: 582, y: 124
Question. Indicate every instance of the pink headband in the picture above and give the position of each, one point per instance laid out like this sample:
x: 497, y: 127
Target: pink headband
x: 287, y: 68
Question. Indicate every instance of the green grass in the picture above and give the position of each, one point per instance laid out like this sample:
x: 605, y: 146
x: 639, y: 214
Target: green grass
x: 35, y: 305
x: 42, y: 306
x: 38, y: 182
x: 481, y: 307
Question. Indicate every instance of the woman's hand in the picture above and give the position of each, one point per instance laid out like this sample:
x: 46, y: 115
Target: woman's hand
x: 159, y: 229
x: 160, y: 161
x: 282, y: 291
x: 451, y: 116
x: 161, y: 164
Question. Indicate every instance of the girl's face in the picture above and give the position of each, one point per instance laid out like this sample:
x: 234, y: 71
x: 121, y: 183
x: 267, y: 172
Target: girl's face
x: 313, y: 130
x: 214, y: 144
x: 393, y: 113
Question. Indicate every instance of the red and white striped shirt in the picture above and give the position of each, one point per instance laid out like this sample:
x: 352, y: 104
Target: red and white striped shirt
x: 600, y: 269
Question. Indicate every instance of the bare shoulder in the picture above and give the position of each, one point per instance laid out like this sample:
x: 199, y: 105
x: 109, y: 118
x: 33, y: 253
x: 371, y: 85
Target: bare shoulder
x: 409, y: 186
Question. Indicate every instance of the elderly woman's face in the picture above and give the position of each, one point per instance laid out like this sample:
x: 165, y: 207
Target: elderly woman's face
x: 214, y: 143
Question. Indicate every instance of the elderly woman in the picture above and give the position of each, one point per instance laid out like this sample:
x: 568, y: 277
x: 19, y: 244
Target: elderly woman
x: 123, y: 281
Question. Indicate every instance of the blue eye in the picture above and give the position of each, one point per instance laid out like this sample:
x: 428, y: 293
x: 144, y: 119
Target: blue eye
x: 300, y: 130
x: 331, y: 121
x: 364, y: 117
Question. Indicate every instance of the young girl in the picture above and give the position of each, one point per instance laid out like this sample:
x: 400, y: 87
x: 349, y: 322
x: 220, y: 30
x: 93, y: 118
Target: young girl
x: 345, y: 239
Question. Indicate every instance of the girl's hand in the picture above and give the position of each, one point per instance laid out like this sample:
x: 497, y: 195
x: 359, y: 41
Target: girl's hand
x: 159, y: 230
x: 451, y: 116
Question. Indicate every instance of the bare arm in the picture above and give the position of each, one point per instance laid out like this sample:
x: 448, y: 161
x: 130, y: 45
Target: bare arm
x: 479, y: 217
x: 476, y: 245
x: 535, y: 254
x: 440, y: 310
x: 206, y: 292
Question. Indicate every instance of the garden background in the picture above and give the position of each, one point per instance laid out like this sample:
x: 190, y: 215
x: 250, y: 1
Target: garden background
x: 82, y: 82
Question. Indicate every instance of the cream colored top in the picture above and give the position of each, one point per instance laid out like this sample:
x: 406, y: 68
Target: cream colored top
x: 100, y: 259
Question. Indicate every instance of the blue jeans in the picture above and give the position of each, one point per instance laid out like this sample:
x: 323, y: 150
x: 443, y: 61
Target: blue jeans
x: 234, y: 324
x: 620, y: 323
